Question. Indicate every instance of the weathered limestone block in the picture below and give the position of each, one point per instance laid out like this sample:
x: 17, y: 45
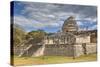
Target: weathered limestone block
x: 91, y: 48
x: 83, y: 39
x: 59, y: 50
x: 78, y: 50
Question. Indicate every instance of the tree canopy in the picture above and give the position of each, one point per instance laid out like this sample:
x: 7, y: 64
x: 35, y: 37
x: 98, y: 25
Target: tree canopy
x: 19, y: 36
x: 36, y: 35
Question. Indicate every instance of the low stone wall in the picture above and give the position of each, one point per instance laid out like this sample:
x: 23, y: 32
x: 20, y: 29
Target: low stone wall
x: 70, y: 50
x: 90, y: 48
x: 78, y: 50
x: 59, y: 50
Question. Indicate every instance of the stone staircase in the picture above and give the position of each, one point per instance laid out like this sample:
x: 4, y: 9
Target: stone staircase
x: 23, y: 47
x: 29, y: 49
x: 40, y: 51
x: 25, y: 50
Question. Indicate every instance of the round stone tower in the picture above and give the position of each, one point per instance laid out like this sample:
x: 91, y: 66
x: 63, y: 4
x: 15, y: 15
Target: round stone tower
x: 70, y: 25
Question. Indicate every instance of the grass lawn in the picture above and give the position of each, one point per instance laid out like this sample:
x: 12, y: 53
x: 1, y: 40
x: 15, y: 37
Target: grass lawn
x: 52, y: 59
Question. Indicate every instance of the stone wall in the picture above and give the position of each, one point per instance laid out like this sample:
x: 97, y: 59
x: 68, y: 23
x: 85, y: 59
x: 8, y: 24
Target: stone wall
x: 83, y: 39
x: 59, y: 50
x: 70, y: 50
x: 90, y: 48
x: 78, y: 50
x: 75, y: 50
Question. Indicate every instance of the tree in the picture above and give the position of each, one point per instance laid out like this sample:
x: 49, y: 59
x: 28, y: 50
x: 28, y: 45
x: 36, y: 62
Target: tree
x: 37, y: 36
x: 18, y: 36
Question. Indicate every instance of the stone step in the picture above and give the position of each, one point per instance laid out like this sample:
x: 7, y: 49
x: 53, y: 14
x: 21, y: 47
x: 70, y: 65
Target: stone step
x: 27, y: 48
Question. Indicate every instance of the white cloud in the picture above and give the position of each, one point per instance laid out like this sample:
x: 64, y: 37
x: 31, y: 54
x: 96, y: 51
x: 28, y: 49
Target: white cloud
x: 79, y: 23
x: 27, y: 22
x: 42, y: 15
x: 44, y: 11
x: 21, y: 20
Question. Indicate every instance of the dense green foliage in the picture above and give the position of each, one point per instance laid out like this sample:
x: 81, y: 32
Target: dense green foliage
x: 19, y: 36
x: 36, y: 35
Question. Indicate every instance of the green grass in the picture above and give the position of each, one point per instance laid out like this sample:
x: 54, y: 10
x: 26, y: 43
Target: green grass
x: 52, y: 59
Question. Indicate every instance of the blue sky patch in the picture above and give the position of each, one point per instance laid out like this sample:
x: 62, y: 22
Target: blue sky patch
x: 50, y: 17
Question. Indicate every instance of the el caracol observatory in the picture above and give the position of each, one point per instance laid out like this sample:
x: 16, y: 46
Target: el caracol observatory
x: 70, y: 25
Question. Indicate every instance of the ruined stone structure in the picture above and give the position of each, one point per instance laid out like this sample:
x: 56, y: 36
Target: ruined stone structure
x: 70, y: 25
x: 69, y: 42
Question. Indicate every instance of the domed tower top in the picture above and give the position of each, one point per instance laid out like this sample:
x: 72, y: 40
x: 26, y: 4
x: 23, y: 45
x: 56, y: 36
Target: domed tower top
x: 70, y: 25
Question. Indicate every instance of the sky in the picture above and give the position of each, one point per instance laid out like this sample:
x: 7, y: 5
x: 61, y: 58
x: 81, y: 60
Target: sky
x: 51, y: 16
